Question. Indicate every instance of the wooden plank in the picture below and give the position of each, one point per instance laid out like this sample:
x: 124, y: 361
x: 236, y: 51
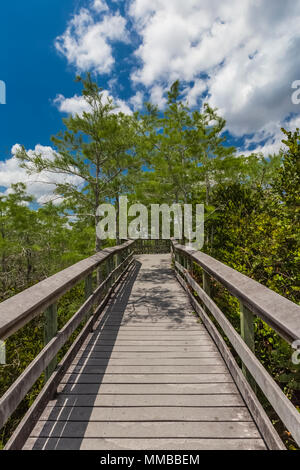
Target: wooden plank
x: 169, y: 363
x: 153, y: 317
x: 87, y: 368
x: 137, y: 389
x: 154, y: 323
x: 168, y: 324
x: 154, y: 329
x: 152, y: 336
x: 143, y: 444
x: 153, y: 332
x: 135, y: 413
x: 166, y: 336
x: 138, y: 340
x: 150, y: 342
x: 171, y: 429
x: 151, y: 354
x: 216, y: 400
x: 145, y: 378
x: 152, y: 306
x: 146, y: 348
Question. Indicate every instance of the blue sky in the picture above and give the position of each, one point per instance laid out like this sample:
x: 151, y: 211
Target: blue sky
x: 32, y: 70
x: 240, y: 56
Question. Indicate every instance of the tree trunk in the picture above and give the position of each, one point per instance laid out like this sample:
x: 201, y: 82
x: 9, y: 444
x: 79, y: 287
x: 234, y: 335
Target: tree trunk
x: 118, y: 241
x: 207, y: 197
x: 98, y: 243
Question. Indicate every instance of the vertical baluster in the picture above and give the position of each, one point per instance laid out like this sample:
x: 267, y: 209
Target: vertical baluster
x: 108, y: 264
x: 50, y: 330
x: 247, y: 333
x: 206, y: 286
x: 206, y: 282
x: 177, y: 257
x: 88, y: 290
x: 121, y: 256
x: 88, y: 286
x: 106, y: 274
x: 111, y: 268
x: 116, y: 264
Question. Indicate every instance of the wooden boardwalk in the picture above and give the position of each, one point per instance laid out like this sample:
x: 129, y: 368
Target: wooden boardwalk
x: 148, y: 377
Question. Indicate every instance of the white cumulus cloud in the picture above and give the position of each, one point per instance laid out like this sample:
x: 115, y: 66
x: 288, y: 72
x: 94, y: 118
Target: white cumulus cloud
x: 77, y: 104
x: 137, y: 100
x: 243, y: 54
x: 39, y: 185
x: 87, y: 40
x: 99, y: 5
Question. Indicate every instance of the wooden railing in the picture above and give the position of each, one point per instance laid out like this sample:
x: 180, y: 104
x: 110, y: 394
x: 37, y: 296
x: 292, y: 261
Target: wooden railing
x: 256, y: 300
x: 17, y: 311
x: 149, y: 246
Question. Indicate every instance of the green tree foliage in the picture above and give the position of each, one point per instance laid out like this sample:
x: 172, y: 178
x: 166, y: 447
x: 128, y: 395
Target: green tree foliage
x: 97, y: 147
x: 33, y: 243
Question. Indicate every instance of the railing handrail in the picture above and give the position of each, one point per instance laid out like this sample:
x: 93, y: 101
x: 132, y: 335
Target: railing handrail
x: 18, y: 310
x: 278, y: 312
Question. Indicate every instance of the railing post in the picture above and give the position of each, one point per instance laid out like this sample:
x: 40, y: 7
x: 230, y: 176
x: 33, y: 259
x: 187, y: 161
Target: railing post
x: 181, y: 259
x: 188, y: 265
x: 247, y: 333
x: 206, y: 283
x: 50, y: 330
x: 99, y: 274
x: 172, y: 254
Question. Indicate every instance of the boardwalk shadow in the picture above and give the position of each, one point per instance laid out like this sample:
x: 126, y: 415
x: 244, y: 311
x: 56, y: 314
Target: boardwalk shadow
x: 97, y: 353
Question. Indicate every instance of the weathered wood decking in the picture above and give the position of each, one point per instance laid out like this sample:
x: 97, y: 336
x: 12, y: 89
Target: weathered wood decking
x: 149, y: 377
